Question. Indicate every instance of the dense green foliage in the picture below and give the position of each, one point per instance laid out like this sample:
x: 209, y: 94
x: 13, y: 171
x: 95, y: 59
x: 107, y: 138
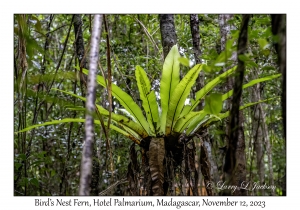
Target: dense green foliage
x: 47, y: 89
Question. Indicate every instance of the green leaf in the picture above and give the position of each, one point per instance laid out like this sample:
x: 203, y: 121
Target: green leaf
x: 37, y: 163
x: 24, y: 182
x: 244, y: 58
x: 148, y: 97
x: 178, y: 99
x: 248, y: 61
x: 38, y: 24
x: 229, y: 44
x: 35, y: 182
x: 169, y: 80
x: 183, y: 122
x: 130, y: 134
x: 226, y: 114
x: 206, y: 68
x: 197, y: 121
x: 221, y: 59
x: 124, y: 121
x: 69, y: 120
x: 185, y: 110
x: 119, y: 119
x: 213, y: 103
x: 17, y: 165
x: 22, y: 156
x: 184, y: 61
x: 66, y: 120
x: 253, y: 34
x: 268, y: 68
x: 53, y: 172
x: 127, y: 102
x: 251, y: 83
x: 235, y: 33
x: 41, y: 154
x: 266, y: 52
x: 209, y: 86
x: 76, y: 108
x: 252, y: 64
x: 263, y: 43
x: 263, y: 21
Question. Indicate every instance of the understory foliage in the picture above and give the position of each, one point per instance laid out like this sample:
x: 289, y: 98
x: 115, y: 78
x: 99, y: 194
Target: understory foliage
x: 149, y: 133
x: 166, y: 134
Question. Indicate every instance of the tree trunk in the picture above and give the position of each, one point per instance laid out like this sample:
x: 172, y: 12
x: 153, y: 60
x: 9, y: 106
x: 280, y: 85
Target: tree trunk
x: 87, y: 154
x: 224, y: 29
x: 81, y: 55
x: 168, y: 33
x: 235, y: 160
x: 80, y: 51
x: 279, y: 29
x: 194, y: 23
x: 156, y: 164
x: 168, y: 167
x: 268, y: 148
x: 208, y: 166
x: 258, y: 138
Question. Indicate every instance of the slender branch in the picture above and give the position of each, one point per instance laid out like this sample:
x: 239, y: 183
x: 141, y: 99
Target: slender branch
x: 62, y: 55
x: 108, y: 72
x: 87, y: 154
x: 109, y: 90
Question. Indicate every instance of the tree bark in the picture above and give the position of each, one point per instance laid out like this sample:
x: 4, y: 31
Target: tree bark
x: 168, y: 32
x: 80, y: 51
x: 156, y: 164
x: 81, y: 55
x: 279, y: 30
x: 194, y: 23
x: 268, y: 148
x: 87, y: 154
x: 206, y: 162
x: 208, y: 167
x: 224, y: 29
x: 258, y: 138
x: 235, y: 160
x: 79, y: 43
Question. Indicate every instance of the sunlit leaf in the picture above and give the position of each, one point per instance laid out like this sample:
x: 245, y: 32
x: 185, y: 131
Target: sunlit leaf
x: 69, y: 120
x: 169, y: 81
x: 213, y: 103
x: 184, y: 61
x: 126, y: 101
x: 263, y: 43
x: 119, y: 119
x: 251, y: 83
x: 148, y: 97
x: 178, y: 99
x: 226, y: 114
x: 209, y: 86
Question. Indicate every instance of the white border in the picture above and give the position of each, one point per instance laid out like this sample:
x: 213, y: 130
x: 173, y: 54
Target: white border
x: 8, y: 8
